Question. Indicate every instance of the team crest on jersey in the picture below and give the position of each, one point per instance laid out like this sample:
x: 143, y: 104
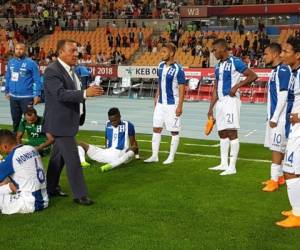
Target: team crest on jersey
x: 227, y: 67
x: 39, y: 128
x: 171, y: 71
x: 122, y: 128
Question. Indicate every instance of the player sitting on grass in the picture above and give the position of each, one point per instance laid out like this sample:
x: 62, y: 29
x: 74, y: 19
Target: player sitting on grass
x: 121, y: 144
x: 277, y: 112
x: 32, y: 124
x: 24, y: 168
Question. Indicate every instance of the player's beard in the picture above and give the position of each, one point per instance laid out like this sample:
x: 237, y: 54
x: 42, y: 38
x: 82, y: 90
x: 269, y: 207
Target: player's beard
x: 167, y: 59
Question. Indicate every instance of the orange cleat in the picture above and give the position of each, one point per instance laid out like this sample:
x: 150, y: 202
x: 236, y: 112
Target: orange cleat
x: 209, y: 125
x: 271, y: 186
x: 281, y: 180
x: 289, y: 222
x: 287, y: 213
x: 266, y: 182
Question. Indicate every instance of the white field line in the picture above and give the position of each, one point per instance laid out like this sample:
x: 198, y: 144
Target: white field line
x: 209, y: 156
x: 187, y: 144
x: 250, y: 133
x: 202, y: 155
x: 202, y: 145
x: 102, y: 137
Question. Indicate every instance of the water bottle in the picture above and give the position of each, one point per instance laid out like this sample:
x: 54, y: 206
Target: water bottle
x: 97, y: 81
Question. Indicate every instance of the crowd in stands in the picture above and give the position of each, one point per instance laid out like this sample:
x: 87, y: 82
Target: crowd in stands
x: 79, y: 9
x: 12, y: 33
x: 194, y: 44
x: 76, y: 13
x: 239, y: 2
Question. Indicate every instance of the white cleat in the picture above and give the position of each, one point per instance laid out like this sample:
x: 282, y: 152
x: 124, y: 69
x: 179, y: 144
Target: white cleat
x: 151, y: 159
x: 229, y: 171
x: 220, y: 167
x: 168, y: 161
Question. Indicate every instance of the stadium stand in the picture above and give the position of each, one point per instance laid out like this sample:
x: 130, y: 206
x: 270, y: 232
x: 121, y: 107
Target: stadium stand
x: 100, y: 45
x: 98, y: 40
x: 78, y: 10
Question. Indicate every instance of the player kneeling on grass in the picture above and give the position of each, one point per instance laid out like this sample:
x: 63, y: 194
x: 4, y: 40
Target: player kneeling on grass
x: 121, y: 145
x: 226, y: 97
x: 32, y: 124
x: 277, y: 124
x: 26, y: 192
x: 291, y: 56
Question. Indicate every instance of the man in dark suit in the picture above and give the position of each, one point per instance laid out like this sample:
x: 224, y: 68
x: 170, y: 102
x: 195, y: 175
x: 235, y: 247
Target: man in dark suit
x: 64, y: 112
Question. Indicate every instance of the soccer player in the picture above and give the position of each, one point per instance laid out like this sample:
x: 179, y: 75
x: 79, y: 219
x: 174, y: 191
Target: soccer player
x: 32, y: 124
x: 291, y: 56
x: 168, y: 102
x: 277, y: 111
x: 226, y: 98
x: 23, y: 166
x: 121, y: 145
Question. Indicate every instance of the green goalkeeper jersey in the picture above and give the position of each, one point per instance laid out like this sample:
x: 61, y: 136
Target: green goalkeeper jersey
x: 34, y: 131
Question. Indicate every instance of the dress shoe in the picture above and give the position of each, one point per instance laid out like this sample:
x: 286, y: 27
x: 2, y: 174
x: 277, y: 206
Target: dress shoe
x: 57, y: 193
x: 84, y: 201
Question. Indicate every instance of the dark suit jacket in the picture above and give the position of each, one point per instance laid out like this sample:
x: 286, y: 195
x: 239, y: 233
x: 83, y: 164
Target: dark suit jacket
x: 62, y: 100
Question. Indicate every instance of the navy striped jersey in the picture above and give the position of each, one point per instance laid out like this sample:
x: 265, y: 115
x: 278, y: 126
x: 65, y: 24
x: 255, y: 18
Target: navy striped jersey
x: 118, y: 137
x: 169, y: 77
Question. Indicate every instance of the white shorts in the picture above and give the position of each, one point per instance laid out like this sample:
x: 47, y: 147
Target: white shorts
x: 292, y: 156
x: 104, y: 155
x: 166, y: 115
x: 228, y: 113
x: 275, y: 138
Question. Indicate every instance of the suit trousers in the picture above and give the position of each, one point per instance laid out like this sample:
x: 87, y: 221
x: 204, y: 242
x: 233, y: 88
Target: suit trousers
x: 65, y: 151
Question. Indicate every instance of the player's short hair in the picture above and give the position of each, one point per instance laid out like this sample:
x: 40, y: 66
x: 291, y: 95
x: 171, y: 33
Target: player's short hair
x: 21, y: 43
x: 275, y: 47
x: 61, y: 44
x: 294, y: 41
x: 30, y: 111
x: 113, y: 111
x: 220, y: 42
x: 6, y: 136
x: 170, y: 46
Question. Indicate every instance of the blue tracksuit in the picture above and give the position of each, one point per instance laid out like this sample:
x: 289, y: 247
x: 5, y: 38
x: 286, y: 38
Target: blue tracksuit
x: 22, y: 78
x: 23, y: 83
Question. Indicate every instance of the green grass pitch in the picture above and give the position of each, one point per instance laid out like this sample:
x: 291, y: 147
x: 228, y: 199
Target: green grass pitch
x: 152, y: 206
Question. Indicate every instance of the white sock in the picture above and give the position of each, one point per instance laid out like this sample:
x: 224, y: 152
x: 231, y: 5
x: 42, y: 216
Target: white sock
x: 5, y: 189
x: 234, y: 151
x: 173, y: 146
x: 81, y: 153
x: 156, y: 137
x: 280, y: 172
x: 275, y: 171
x: 293, y: 190
x: 124, y: 158
x: 224, y: 148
